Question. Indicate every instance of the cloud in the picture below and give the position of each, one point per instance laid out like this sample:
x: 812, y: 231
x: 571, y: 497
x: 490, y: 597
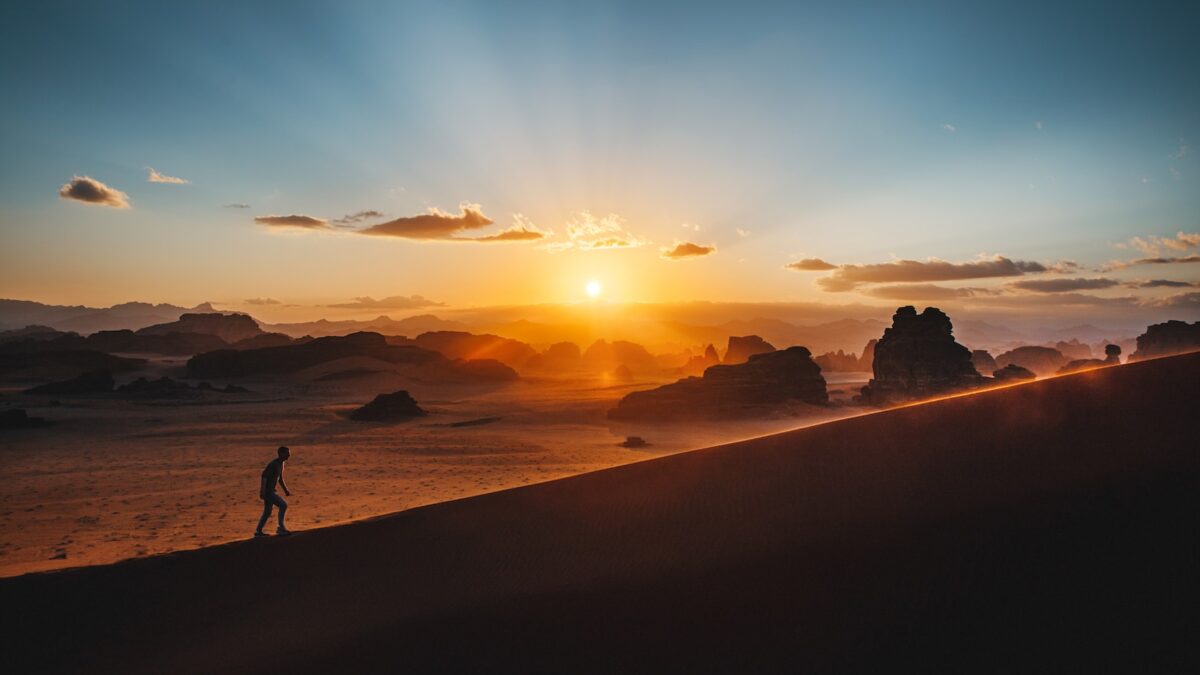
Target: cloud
x: 391, y: 302
x: 91, y: 191
x: 358, y: 217
x: 1178, y: 260
x: 1063, y: 285
x: 586, y: 232
x: 1181, y: 301
x: 294, y: 220
x: 849, y: 277
x: 1184, y: 148
x: 1037, y: 125
x: 1064, y: 267
x: 741, y: 232
x: 262, y: 301
x: 156, y: 177
x: 1163, y: 283
x: 686, y: 249
x: 236, y: 205
x: 950, y: 127
x: 810, y: 265
x: 437, y: 225
x: 921, y: 292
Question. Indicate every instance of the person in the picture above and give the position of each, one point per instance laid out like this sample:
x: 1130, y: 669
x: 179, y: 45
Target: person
x: 272, y: 475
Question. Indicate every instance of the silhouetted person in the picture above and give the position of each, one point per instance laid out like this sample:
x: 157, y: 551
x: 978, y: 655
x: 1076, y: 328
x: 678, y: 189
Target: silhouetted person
x: 271, y: 476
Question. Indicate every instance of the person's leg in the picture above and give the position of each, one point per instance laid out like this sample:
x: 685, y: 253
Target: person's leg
x: 282, y: 504
x: 266, y: 514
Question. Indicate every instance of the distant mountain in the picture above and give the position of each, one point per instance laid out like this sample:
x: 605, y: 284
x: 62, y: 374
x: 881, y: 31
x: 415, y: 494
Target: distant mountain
x: 85, y: 320
x: 384, y: 325
x: 229, y: 327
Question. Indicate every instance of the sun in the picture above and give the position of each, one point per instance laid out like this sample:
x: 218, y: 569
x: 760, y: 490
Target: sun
x: 593, y: 289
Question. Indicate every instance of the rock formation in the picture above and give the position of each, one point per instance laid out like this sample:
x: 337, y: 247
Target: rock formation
x: 1074, y: 349
x: 867, y: 360
x: 398, y: 405
x: 1112, y: 354
x: 764, y: 384
x: 983, y: 361
x: 1165, y: 339
x: 1012, y: 373
x: 232, y: 364
x: 1112, y: 357
x: 741, y: 348
x: 1041, y: 360
x: 58, y: 365
x: 605, y: 355
x: 696, y: 365
x: 94, y: 382
x: 230, y: 328
x: 918, y: 357
x: 471, y: 347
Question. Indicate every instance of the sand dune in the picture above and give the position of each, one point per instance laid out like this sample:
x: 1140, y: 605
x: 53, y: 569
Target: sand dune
x: 1049, y: 526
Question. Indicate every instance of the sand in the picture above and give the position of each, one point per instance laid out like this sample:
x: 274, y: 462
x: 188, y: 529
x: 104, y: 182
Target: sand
x: 117, y: 479
x: 1047, y: 527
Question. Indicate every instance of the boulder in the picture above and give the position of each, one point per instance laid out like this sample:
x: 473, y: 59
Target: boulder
x: 398, y: 405
x: 983, y: 361
x: 1112, y: 354
x: 1041, y: 360
x: 764, y: 384
x: 741, y: 348
x: 94, y: 382
x: 1165, y: 339
x: 1013, y: 373
x: 918, y: 357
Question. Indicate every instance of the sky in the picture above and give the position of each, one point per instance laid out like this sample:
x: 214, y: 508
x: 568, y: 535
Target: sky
x: 388, y: 158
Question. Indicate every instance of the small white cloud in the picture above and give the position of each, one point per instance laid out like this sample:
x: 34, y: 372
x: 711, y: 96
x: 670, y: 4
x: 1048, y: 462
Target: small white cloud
x: 950, y: 127
x: 1037, y: 125
x: 156, y: 177
x: 741, y: 232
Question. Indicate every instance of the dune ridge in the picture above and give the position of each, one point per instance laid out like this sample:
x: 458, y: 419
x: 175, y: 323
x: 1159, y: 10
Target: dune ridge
x: 1042, y: 526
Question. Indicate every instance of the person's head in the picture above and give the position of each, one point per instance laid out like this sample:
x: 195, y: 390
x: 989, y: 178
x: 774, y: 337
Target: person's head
x: 284, y: 453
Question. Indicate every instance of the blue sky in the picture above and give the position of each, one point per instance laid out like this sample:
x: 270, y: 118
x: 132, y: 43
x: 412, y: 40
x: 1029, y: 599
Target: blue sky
x: 1039, y: 132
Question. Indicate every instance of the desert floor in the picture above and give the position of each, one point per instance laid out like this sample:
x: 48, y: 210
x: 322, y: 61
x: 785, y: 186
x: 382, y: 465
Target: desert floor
x: 115, y: 479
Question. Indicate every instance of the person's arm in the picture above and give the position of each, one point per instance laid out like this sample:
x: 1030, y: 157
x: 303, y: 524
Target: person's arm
x: 282, y: 484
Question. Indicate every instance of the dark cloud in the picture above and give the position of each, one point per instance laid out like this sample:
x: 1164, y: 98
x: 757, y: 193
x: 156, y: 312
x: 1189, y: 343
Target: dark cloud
x: 91, y: 191
x: 810, y: 265
x: 433, y: 225
x: 1063, y: 285
x: 686, y: 249
x: 1190, y: 301
x: 236, y: 206
x: 302, y: 222
x: 921, y: 292
x: 358, y: 217
x: 849, y: 277
x: 262, y: 301
x: 1178, y: 260
x: 392, y: 302
x: 1163, y: 283
x: 1064, y: 267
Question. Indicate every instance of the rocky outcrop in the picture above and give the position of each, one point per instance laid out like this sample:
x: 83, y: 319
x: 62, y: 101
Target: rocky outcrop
x: 983, y: 361
x: 1112, y: 354
x: 94, y: 382
x: 230, y: 328
x: 398, y: 405
x: 741, y: 348
x: 696, y: 365
x: 918, y: 357
x: 117, y: 342
x: 867, y: 360
x: 263, y: 340
x: 1074, y: 350
x: 605, y: 355
x: 30, y: 333
x: 1165, y: 339
x: 271, y: 361
x: 1013, y: 373
x: 59, y: 365
x: 766, y: 383
x: 1041, y: 360
x: 471, y: 347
